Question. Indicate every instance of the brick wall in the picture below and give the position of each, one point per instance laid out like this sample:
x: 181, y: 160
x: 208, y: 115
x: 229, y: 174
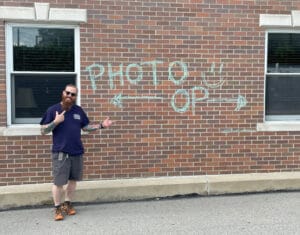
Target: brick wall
x: 182, y: 72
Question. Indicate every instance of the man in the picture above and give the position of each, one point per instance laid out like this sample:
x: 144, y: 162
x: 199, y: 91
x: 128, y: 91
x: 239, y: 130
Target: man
x: 66, y: 120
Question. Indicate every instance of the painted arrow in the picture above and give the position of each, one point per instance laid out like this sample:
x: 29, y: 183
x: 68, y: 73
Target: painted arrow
x: 241, y: 101
x: 118, y: 99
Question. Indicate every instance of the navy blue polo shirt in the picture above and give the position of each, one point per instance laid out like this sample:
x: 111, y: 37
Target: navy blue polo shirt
x: 67, y: 135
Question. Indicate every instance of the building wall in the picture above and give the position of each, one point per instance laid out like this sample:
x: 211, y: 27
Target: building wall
x: 189, y: 76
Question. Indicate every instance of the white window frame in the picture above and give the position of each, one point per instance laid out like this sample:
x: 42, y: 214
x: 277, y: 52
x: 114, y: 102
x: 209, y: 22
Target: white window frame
x: 278, y: 23
x: 9, y: 63
x: 281, y: 122
x: 282, y: 118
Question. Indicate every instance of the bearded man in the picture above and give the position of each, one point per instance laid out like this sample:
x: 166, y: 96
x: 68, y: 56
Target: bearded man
x: 66, y: 120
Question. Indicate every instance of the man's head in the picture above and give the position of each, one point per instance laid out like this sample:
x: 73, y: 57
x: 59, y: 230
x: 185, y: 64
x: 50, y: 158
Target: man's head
x: 69, y: 96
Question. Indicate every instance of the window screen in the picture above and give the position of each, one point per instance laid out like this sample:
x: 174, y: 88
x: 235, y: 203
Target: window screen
x: 283, y: 75
x: 35, y: 93
x: 43, y: 49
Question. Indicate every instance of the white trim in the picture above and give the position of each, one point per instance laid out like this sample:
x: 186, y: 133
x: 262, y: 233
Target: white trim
x: 68, y: 15
x: 21, y: 130
x: 25, y: 130
x: 43, y: 72
x: 275, y: 20
x: 77, y: 62
x: 285, y: 118
x: 17, y: 13
x: 280, y: 20
x: 41, y: 12
x: 9, y: 59
x: 278, y: 126
x: 266, y: 69
x: 296, y: 18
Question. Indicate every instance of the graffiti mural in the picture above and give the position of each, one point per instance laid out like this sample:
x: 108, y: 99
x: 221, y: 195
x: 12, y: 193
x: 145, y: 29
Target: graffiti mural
x: 97, y: 71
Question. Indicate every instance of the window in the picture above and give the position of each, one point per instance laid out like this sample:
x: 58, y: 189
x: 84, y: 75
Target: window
x: 41, y: 61
x: 282, y: 101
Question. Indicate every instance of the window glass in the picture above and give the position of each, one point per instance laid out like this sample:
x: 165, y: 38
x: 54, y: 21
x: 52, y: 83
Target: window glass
x: 283, y: 77
x: 283, y: 95
x: 35, y: 93
x: 284, y: 53
x: 43, y: 49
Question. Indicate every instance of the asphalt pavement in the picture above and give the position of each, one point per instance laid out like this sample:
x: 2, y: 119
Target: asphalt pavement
x: 261, y: 213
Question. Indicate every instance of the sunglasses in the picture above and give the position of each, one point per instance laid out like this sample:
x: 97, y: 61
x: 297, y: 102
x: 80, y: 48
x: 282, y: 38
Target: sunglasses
x: 70, y: 93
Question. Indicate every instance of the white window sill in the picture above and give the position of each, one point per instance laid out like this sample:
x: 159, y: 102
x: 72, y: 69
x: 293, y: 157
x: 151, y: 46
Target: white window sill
x: 21, y: 130
x: 279, y: 126
x: 34, y: 129
x: 24, y: 130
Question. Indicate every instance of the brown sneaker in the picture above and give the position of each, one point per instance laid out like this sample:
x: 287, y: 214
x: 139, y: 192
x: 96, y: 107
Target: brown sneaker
x: 58, y: 214
x: 68, y: 208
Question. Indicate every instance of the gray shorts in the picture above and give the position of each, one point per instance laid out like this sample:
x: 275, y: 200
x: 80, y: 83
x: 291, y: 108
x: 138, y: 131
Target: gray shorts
x: 66, y: 167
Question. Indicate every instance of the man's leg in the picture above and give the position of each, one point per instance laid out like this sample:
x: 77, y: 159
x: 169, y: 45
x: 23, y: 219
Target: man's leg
x: 75, y: 175
x: 61, y: 167
x: 70, y: 190
x: 57, y: 192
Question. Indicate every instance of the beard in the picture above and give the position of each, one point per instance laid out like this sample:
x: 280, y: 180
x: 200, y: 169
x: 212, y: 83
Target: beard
x: 67, y: 103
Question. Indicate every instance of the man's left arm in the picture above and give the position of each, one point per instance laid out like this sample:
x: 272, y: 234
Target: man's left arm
x: 90, y: 128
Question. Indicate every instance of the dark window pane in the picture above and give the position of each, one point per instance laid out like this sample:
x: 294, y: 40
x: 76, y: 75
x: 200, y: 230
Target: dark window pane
x: 35, y: 93
x: 283, y: 53
x: 283, y: 96
x: 43, y: 49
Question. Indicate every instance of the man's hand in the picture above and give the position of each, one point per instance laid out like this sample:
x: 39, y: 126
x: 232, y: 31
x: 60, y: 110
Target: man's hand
x: 107, y: 122
x: 59, y: 117
x: 45, y: 129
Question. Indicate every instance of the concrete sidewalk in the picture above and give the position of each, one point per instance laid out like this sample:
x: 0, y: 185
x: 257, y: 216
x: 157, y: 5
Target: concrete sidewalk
x: 146, y: 188
x: 243, y: 214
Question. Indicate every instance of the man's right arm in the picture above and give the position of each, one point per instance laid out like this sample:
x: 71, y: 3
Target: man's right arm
x: 45, y: 129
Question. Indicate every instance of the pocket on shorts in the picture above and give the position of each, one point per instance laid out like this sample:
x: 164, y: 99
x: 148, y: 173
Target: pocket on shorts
x: 57, y: 163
